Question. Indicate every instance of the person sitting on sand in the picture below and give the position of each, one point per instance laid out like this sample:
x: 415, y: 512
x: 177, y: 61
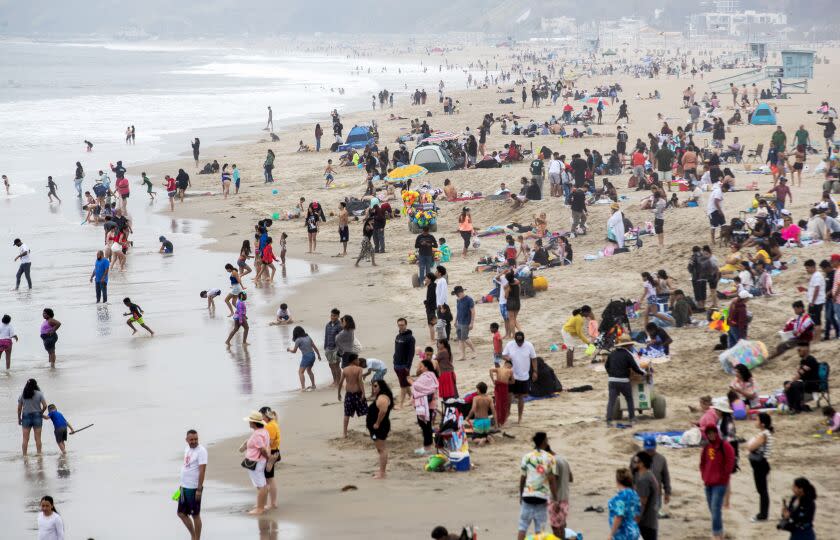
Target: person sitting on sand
x: 449, y: 190
x: 283, y: 316
x: 482, y: 406
x: 733, y: 261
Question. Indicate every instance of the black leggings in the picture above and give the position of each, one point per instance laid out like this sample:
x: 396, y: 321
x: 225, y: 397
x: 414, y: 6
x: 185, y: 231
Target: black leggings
x: 426, y: 428
x: 761, y: 470
x: 467, y: 236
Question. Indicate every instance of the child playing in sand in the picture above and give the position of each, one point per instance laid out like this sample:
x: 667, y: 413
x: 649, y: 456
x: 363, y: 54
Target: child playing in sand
x: 210, y: 295
x: 329, y: 173
x: 354, y: 397
x: 284, y: 316
x: 482, y: 404
x: 377, y: 367
x: 445, y: 251
x: 136, y: 313
x: 60, y: 425
x: 497, y: 344
x: 832, y: 418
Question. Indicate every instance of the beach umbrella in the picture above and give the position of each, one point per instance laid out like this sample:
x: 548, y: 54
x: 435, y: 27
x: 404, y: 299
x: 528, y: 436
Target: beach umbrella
x: 406, y: 171
x: 593, y: 100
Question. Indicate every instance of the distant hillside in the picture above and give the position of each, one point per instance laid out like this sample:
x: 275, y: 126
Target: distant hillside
x: 176, y: 19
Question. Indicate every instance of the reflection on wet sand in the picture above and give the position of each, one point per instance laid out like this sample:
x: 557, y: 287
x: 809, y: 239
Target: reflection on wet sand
x: 242, y: 357
x: 268, y: 528
x: 63, y: 466
x: 103, y: 320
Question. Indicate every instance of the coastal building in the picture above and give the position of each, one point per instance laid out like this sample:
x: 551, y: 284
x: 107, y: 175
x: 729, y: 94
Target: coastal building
x: 726, y: 20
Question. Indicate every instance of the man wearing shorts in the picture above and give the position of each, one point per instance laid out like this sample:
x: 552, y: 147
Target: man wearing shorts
x: 715, y: 208
x: 403, y: 355
x: 192, y: 484
x: 522, y: 355
x: 354, y: 398
x: 555, y: 168
x: 331, y: 330
x: 343, y: 227
x: 537, y: 486
x: 464, y: 319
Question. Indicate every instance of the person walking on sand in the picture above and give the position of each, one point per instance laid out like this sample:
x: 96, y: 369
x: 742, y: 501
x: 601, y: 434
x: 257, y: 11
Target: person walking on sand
x: 183, y: 181
x: 717, y: 461
x: 464, y: 320
x: 196, y: 149
x: 192, y: 485
x: 269, y: 125
x: 622, y: 112
x: 7, y: 334
x: 403, y: 356
x: 270, y: 418
x: 319, y: 132
x: 257, y: 451
x: 51, y: 185
x: 314, y: 214
x: 236, y: 287
x: 308, y: 351
x: 537, y: 486
x: 378, y: 423
x: 99, y: 276
x: 48, y: 333
x: 50, y: 524
x: 343, y: 227
x: 136, y: 316
x: 367, y: 246
x: 144, y: 181
x: 25, y: 263
x: 237, y: 179
x: 354, y: 386
x: 30, y: 414
x: 331, y: 330
x: 240, y: 320
x: 523, y: 358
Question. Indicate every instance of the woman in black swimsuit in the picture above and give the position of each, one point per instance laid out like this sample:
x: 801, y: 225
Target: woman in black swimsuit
x: 379, y: 422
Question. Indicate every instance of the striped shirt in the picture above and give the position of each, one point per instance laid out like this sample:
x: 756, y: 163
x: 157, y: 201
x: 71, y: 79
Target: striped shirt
x: 766, y: 449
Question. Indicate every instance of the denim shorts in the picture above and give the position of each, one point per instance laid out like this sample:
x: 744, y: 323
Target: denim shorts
x: 538, y: 513
x: 307, y: 360
x: 503, y: 310
x: 32, y: 420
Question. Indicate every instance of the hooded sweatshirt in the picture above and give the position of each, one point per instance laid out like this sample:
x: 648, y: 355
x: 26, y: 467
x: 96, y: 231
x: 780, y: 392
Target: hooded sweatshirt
x: 717, y: 462
x: 403, y: 350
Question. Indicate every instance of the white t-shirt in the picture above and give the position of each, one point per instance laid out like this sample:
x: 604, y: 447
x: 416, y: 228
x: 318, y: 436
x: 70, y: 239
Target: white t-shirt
x: 520, y: 357
x: 817, y: 281
x: 717, y: 195
x: 50, y: 528
x: 441, y: 288
x: 193, y: 457
x: 554, y: 166
x: 375, y: 365
x: 24, y: 258
x: 213, y: 293
x: 746, y: 278
x: 6, y: 331
x: 502, y: 296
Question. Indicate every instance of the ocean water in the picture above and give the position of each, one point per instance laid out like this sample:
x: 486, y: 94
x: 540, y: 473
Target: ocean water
x: 54, y: 96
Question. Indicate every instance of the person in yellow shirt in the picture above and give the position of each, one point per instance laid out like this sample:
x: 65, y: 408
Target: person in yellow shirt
x: 273, y: 429
x: 574, y: 332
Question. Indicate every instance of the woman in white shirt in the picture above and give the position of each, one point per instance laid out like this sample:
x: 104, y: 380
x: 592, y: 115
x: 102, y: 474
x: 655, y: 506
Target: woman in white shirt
x: 7, y: 333
x: 50, y: 525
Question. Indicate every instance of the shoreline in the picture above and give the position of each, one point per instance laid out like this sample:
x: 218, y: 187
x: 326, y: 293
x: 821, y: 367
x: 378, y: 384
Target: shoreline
x: 317, y: 463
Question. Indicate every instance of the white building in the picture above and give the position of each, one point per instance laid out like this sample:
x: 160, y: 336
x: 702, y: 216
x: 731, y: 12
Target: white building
x: 558, y: 25
x: 738, y: 24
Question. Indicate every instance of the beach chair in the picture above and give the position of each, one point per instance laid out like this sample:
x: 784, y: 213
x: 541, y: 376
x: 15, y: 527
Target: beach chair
x: 757, y: 153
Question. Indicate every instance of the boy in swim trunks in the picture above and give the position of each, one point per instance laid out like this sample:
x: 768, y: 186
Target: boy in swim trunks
x: 482, y: 405
x: 60, y: 425
x: 354, y: 398
x: 136, y: 313
x: 210, y: 295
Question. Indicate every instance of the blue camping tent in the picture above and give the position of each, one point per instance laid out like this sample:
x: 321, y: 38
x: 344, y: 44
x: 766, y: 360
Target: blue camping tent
x: 763, y: 116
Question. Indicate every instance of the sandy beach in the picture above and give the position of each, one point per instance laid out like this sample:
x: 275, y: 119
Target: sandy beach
x: 318, y: 464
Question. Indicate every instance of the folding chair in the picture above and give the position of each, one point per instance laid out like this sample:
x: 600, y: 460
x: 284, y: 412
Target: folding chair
x: 757, y: 153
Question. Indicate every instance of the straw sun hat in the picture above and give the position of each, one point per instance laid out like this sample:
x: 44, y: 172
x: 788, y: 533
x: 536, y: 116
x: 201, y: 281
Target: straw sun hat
x: 255, y: 417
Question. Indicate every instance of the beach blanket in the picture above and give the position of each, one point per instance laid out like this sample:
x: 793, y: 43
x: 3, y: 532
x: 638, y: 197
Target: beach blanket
x: 670, y: 439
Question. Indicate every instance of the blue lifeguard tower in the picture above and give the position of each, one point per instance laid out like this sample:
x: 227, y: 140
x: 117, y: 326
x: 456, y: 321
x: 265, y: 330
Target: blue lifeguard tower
x: 797, y: 66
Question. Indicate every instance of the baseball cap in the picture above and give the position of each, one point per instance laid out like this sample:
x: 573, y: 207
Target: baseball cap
x: 649, y: 442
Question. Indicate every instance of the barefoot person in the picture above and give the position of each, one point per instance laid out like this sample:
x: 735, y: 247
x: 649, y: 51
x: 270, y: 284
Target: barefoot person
x: 354, y: 386
x: 331, y: 330
x: 48, y: 333
x: 523, y: 359
x: 30, y: 413
x: 502, y: 378
x: 25, y: 263
x: 136, y: 313
x: 403, y: 356
x: 240, y: 320
x: 236, y: 287
x: 308, y: 351
x: 60, y: 426
x: 50, y: 524
x: 482, y: 406
x: 379, y: 423
x: 7, y: 334
x: 343, y: 228
x: 257, y: 451
x: 270, y: 418
x: 192, y: 484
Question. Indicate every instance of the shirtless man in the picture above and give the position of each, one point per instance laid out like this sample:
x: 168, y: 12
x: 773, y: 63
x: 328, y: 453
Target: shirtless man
x: 354, y: 398
x: 482, y: 405
x: 343, y: 228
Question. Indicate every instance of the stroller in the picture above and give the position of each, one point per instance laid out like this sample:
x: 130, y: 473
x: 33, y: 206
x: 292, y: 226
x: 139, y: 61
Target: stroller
x: 614, y: 323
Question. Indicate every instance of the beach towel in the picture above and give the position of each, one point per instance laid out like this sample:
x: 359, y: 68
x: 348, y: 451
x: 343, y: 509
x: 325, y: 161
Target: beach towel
x: 502, y: 402
x: 423, y: 393
x: 447, y: 385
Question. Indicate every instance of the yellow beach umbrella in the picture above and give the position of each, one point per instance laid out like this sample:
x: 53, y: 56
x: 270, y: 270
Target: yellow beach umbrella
x: 406, y: 171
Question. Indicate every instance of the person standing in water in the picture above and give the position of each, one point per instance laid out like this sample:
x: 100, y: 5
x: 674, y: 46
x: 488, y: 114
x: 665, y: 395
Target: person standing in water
x: 100, y: 273
x: 240, y: 320
x: 225, y: 181
x: 192, y: 484
x: 196, y: 146
x: 51, y: 190
x: 136, y: 313
x: 25, y: 263
x: 50, y: 525
x: 269, y: 125
x: 236, y: 179
x: 48, y: 333
x: 148, y: 183
x: 6, y: 184
x: 80, y: 175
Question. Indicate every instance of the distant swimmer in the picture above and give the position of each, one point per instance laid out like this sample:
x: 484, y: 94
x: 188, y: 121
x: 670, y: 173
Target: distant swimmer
x: 51, y: 187
x: 136, y: 313
x: 6, y: 183
x: 89, y: 146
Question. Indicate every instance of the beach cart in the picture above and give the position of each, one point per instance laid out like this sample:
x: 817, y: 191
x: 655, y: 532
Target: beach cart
x: 644, y: 397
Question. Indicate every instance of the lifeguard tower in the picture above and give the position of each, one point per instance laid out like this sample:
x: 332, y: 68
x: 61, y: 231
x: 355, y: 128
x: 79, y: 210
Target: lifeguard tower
x: 797, y: 67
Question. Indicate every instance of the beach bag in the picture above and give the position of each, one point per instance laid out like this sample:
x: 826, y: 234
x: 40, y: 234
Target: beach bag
x: 249, y: 464
x: 691, y: 437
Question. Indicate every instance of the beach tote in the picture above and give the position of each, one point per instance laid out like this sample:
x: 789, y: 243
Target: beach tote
x: 249, y: 464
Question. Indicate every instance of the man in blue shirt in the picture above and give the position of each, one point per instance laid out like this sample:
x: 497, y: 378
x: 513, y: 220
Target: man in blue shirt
x: 464, y: 319
x: 99, y: 276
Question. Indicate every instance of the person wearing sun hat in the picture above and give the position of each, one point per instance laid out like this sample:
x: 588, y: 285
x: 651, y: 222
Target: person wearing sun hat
x: 615, y: 226
x: 618, y: 366
x: 257, y: 451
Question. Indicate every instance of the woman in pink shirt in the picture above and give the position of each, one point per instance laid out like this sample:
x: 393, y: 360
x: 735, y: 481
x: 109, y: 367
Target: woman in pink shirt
x: 257, y: 451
